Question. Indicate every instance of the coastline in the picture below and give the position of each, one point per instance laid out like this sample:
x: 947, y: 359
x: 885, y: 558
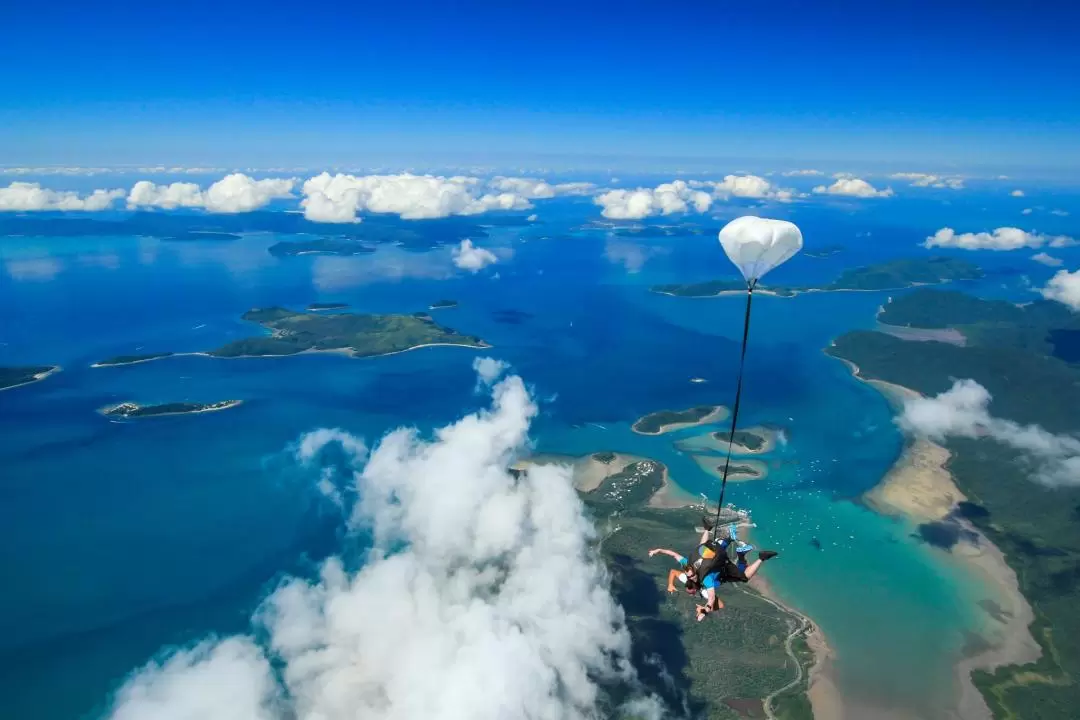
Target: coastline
x: 825, y: 699
x: 718, y: 414
x: 38, y: 377
x: 311, y: 351
x: 920, y: 489
x: 229, y: 404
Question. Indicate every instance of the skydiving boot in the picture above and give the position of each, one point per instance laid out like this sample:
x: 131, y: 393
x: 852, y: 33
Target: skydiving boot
x: 767, y: 555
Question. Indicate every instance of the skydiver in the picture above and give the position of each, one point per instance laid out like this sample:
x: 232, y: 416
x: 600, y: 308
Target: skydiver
x: 713, y: 567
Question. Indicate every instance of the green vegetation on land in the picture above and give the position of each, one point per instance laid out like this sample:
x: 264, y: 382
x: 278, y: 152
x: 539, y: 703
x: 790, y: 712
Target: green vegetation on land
x: 360, y: 335
x: 890, y: 275
x: 1037, y: 527
x: 327, y: 306
x: 14, y: 376
x: 721, y: 668
x: 660, y: 422
x: 747, y: 438
x: 440, y: 304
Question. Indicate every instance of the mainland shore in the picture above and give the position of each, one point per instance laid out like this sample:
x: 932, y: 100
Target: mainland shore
x: 920, y: 489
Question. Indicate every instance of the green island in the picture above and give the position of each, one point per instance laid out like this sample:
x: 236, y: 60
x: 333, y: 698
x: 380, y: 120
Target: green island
x: 665, y: 421
x: 738, y: 470
x: 1011, y: 352
x: 320, y: 246
x: 13, y: 377
x: 134, y: 410
x: 355, y: 334
x: 440, y: 304
x: 314, y: 307
x: 749, y: 439
x: 889, y: 275
x: 751, y: 653
x: 130, y: 359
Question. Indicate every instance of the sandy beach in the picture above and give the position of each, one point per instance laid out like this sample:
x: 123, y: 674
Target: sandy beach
x: 589, y: 472
x: 920, y: 489
x: 712, y: 443
x: 38, y: 377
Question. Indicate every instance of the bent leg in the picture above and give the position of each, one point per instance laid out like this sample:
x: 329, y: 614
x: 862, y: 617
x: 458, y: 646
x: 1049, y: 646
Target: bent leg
x: 752, y: 569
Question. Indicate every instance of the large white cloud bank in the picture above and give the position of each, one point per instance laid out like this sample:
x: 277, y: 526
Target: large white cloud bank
x: 339, y: 198
x: 964, y: 411
x: 234, y: 193
x: 482, y: 598
x: 1002, y: 238
x: 680, y: 196
x: 31, y: 197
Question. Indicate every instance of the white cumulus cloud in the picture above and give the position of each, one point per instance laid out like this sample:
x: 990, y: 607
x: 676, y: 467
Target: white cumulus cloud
x: 801, y: 173
x: 488, y: 370
x: 853, y: 187
x: 234, y: 193
x: 339, y: 198
x: 469, y: 257
x: 28, y: 197
x: 483, y: 597
x: 665, y: 199
x: 1002, y: 238
x: 1048, y: 260
x: 538, y: 189
x: 928, y: 180
x: 963, y: 411
x: 1065, y: 288
x: 1017, y: 193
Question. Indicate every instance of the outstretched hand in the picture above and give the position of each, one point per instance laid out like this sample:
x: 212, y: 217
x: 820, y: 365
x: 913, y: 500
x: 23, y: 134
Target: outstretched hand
x: 701, y: 612
x: 653, y: 552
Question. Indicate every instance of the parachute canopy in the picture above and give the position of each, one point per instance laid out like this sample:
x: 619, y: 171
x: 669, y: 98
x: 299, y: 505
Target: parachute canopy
x: 756, y: 245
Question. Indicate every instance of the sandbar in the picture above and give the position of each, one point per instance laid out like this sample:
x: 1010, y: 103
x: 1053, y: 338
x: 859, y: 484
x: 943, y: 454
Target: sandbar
x: 37, y: 377
x: 920, y: 488
x: 588, y: 471
x: 717, y: 442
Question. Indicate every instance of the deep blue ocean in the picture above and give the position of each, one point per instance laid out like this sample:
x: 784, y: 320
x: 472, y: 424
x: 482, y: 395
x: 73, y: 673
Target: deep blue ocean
x: 121, y: 538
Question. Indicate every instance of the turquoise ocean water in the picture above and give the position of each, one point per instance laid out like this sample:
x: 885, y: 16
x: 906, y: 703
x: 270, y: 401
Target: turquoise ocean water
x: 122, y: 538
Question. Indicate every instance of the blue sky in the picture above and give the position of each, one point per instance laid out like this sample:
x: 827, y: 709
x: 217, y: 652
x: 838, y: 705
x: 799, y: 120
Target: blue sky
x: 938, y: 84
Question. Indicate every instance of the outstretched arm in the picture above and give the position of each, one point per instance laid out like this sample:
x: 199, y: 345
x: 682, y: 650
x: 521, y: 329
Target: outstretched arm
x: 664, y: 551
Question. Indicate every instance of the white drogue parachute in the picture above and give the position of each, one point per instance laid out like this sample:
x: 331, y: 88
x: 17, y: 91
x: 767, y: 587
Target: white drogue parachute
x: 756, y: 245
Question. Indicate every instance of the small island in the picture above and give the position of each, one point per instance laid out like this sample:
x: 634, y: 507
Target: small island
x: 824, y: 252
x: 666, y: 421
x: 718, y: 288
x: 890, y: 275
x: 13, y: 377
x: 440, y: 304
x: 738, y: 470
x: 200, y: 236
x: 316, y: 307
x: 354, y: 334
x: 134, y: 410
x: 320, y: 246
x: 751, y: 441
x: 130, y: 359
